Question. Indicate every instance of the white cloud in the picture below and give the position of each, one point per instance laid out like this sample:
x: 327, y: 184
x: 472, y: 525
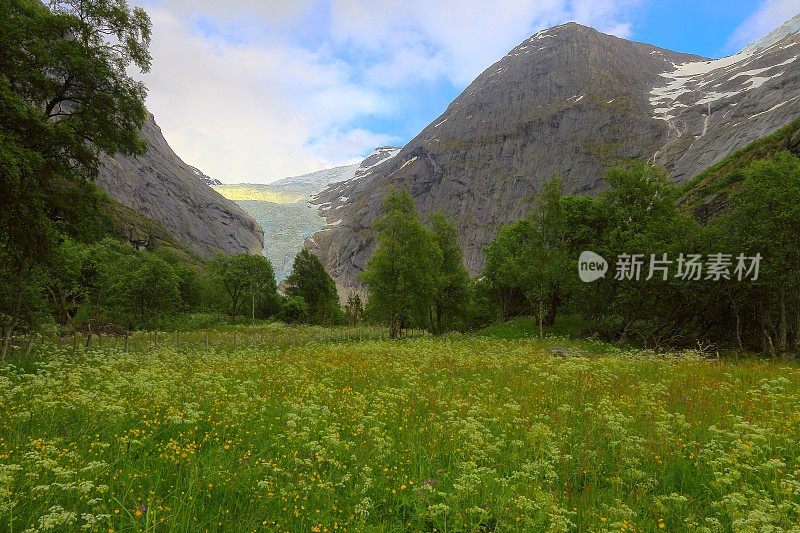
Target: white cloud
x: 245, y: 113
x: 257, y: 90
x: 355, y: 141
x: 768, y: 15
x: 458, y: 39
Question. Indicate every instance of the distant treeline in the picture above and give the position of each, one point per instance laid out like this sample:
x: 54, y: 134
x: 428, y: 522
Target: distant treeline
x: 671, y: 281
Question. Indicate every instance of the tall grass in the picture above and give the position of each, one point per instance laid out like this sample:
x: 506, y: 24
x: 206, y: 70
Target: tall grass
x: 448, y: 434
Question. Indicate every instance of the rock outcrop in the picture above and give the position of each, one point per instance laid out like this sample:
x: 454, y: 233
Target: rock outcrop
x: 567, y: 102
x: 161, y: 186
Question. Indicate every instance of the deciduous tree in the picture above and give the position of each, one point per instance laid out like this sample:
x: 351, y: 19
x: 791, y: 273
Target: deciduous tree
x: 310, y: 281
x: 402, y: 274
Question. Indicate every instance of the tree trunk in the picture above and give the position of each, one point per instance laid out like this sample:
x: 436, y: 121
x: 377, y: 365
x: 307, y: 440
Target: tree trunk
x: 541, y: 318
x: 29, y: 348
x: 624, y: 333
x: 126, y: 341
x: 797, y: 327
x: 782, y: 334
x: 254, y: 308
x: 7, y: 336
x: 738, y: 329
x: 394, y: 326
x: 768, y: 343
x: 552, y: 310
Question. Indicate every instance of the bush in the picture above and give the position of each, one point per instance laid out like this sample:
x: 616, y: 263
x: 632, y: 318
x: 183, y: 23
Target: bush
x: 294, y: 310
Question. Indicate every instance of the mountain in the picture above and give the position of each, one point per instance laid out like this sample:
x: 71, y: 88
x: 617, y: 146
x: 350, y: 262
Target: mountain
x: 162, y: 187
x: 567, y: 102
x: 307, y: 185
x: 282, y: 207
x: 786, y: 29
x: 208, y: 180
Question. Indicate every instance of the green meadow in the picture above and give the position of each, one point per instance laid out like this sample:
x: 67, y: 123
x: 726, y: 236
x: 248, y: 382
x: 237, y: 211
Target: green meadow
x: 306, y: 429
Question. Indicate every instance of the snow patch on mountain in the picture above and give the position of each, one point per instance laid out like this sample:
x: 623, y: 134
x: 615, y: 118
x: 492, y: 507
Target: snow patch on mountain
x: 788, y: 28
x: 688, y: 78
x: 203, y: 176
x: 376, y: 158
x: 706, y: 82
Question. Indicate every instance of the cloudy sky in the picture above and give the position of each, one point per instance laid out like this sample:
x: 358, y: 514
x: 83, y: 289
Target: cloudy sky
x: 256, y: 90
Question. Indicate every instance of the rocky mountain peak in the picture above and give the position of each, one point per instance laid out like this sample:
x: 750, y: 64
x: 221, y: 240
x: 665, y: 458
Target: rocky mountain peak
x: 569, y: 101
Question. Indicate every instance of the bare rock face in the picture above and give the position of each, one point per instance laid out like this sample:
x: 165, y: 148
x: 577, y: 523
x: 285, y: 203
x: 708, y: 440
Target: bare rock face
x: 161, y: 186
x: 569, y: 102
x: 713, y: 108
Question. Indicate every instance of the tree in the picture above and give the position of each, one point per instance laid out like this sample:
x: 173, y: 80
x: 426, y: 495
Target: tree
x: 353, y: 309
x: 261, y: 286
x: 310, y: 281
x: 294, y: 310
x: 507, y: 268
x: 764, y: 218
x: 402, y: 274
x: 109, y: 283
x: 451, y: 301
x: 23, y: 305
x: 65, y: 97
x: 189, y: 283
x: 530, y: 265
x: 141, y: 289
x: 244, y: 279
x: 64, y: 285
x: 552, y: 256
x: 641, y: 217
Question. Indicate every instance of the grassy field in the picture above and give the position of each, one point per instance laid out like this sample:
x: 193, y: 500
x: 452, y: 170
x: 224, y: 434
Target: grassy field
x: 323, y: 433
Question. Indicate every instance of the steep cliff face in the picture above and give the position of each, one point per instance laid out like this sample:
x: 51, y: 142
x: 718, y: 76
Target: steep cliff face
x: 567, y: 102
x: 161, y: 186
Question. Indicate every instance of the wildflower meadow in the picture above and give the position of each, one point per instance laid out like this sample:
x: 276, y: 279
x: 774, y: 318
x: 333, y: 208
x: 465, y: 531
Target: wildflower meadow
x: 451, y: 434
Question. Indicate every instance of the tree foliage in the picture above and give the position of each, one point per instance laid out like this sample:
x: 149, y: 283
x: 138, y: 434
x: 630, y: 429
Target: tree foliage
x: 247, y: 283
x: 764, y: 218
x: 535, y: 259
x: 310, y: 281
x: 65, y: 98
x: 451, y: 301
x: 402, y: 276
x: 527, y: 265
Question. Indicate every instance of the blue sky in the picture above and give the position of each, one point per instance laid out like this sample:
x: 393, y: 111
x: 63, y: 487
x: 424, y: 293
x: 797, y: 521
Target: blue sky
x: 702, y: 27
x: 256, y: 90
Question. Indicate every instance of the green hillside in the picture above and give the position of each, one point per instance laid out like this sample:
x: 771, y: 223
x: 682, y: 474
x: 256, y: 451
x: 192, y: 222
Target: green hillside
x: 706, y: 194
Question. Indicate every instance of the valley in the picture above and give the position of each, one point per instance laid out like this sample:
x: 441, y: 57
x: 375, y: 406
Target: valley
x: 285, y: 211
x: 568, y: 299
